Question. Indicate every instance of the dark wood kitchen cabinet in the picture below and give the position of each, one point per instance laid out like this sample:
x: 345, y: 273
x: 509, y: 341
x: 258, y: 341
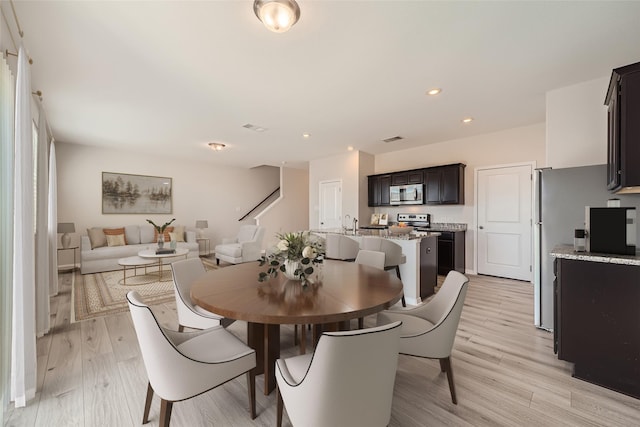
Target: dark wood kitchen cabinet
x: 597, y: 322
x: 451, y: 252
x: 379, y: 190
x: 407, y: 177
x: 444, y: 185
x: 623, y: 149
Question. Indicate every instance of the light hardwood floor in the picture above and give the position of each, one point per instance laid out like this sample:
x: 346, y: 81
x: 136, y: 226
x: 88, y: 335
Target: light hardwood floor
x: 91, y: 374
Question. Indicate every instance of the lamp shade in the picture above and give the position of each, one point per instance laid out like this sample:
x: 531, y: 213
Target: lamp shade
x: 66, y: 227
x: 202, y: 223
x: 277, y: 15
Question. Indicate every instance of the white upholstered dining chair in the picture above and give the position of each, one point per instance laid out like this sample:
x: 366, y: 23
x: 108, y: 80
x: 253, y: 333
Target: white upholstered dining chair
x: 340, y: 247
x: 347, y: 381
x: 371, y: 258
x: 393, y: 255
x: 429, y: 330
x: 181, y: 365
x: 190, y: 315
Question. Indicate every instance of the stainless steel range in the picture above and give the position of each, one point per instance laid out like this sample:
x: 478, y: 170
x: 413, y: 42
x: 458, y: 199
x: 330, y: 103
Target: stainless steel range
x: 420, y: 222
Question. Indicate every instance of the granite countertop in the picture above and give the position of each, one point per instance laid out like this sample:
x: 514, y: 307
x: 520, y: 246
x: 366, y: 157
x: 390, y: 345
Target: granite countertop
x: 376, y: 233
x: 445, y: 226
x: 567, y: 252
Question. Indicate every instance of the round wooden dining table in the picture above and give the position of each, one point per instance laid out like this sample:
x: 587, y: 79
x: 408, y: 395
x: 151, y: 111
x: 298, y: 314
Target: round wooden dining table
x: 341, y: 291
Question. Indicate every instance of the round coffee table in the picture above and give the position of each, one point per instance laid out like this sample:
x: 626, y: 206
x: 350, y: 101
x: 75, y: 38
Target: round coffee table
x: 157, y: 258
x: 134, y: 262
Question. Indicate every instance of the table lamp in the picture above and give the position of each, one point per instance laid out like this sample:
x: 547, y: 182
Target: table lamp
x: 66, y: 228
x: 200, y: 225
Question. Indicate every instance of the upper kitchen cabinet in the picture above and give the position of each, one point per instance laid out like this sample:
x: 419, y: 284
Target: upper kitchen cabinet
x: 444, y: 185
x: 407, y: 177
x: 379, y: 190
x: 623, y: 102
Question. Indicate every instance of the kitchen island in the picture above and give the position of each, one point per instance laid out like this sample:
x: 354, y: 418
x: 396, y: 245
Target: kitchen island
x: 597, y: 317
x: 419, y: 272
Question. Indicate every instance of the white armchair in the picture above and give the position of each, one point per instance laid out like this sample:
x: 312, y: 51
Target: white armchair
x: 181, y: 365
x: 190, y: 315
x: 429, y: 330
x: 347, y: 381
x: 245, y: 247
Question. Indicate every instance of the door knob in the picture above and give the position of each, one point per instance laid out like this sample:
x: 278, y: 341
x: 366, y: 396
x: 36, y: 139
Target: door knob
x: 481, y: 227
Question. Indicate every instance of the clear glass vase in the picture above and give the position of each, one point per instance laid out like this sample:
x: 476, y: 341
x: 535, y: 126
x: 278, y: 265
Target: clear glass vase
x: 160, y: 241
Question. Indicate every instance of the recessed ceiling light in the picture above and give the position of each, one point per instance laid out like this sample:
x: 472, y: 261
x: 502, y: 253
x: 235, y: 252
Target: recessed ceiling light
x: 467, y: 120
x: 350, y: 148
x: 434, y: 91
x: 306, y: 135
x: 216, y: 146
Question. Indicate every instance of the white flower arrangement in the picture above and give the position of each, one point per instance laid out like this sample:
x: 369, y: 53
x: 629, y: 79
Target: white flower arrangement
x: 295, y: 255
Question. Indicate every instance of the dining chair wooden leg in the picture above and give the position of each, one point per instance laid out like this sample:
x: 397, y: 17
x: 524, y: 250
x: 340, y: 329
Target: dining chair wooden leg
x: 180, y: 328
x: 295, y: 334
x: 251, y: 387
x: 404, y: 303
x: 147, y: 404
x: 303, y: 339
x: 445, y: 366
x: 279, y: 408
x: 360, y: 322
x: 165, y: 412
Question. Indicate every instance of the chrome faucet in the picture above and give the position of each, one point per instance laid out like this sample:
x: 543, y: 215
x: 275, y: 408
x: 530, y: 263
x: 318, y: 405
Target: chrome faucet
x: 355, y: 225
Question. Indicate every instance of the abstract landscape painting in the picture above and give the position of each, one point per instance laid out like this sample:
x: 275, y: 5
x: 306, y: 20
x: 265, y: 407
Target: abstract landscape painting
x: 136, y: 194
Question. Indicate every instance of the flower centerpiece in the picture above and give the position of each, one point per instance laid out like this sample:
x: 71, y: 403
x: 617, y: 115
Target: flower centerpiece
x: 160, y: 229
x: 296, y: 255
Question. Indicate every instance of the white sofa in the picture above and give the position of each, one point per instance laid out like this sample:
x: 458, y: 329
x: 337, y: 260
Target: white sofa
x: 138, y: 237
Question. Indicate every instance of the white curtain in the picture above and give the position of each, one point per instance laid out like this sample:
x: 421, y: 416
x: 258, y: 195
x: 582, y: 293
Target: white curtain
x: 23, y: 339
x: 7, y: 99
x: 42, y: 227
x: 53, y: 222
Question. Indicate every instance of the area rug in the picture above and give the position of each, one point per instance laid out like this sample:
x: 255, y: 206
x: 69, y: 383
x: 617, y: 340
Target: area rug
x: 102, y: 294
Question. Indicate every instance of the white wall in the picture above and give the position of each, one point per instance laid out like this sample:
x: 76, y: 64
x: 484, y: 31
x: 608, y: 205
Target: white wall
x: 577, y: 125
x: 524, y: 144
x: 291, y: 211
x: 218, y: 194
x: 343, y: 167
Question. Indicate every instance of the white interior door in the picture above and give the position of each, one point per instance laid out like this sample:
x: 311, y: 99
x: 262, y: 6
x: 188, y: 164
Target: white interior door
x: 330, y: 204
x: 505, y: 222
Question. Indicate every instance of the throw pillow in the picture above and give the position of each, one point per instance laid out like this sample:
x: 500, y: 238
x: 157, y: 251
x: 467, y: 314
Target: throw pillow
x: 147, y: 233
x: 96, y: 237
x: 115, y: 232
x: 115, y: 240
x: 132, y: 234
x: 179, y: 232
x: 166, y: 234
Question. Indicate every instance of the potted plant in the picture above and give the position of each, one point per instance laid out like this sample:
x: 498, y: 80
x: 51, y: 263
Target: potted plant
x: 160, y: 229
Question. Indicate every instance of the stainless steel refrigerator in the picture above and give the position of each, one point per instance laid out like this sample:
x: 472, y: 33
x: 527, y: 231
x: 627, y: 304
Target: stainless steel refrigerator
x: 560, y: 199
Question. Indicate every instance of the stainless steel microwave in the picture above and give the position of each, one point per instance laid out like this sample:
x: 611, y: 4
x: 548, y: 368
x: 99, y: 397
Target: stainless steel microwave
x: 406, y: 194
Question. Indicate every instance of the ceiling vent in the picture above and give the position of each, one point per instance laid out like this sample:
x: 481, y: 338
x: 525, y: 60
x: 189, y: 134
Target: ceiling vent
x: 392, y: 139
x: 254, y: 127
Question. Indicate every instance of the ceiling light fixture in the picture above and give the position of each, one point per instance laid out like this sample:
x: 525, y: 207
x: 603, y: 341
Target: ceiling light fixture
x: 434, y: 91
x: 350, y: 148
x: 277, y: 15
x: 216, y: 146
x: 306, y: 135
x: 467, y: 120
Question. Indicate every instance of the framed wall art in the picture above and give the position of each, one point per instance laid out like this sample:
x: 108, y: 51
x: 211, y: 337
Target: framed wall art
x: 136, y: 194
